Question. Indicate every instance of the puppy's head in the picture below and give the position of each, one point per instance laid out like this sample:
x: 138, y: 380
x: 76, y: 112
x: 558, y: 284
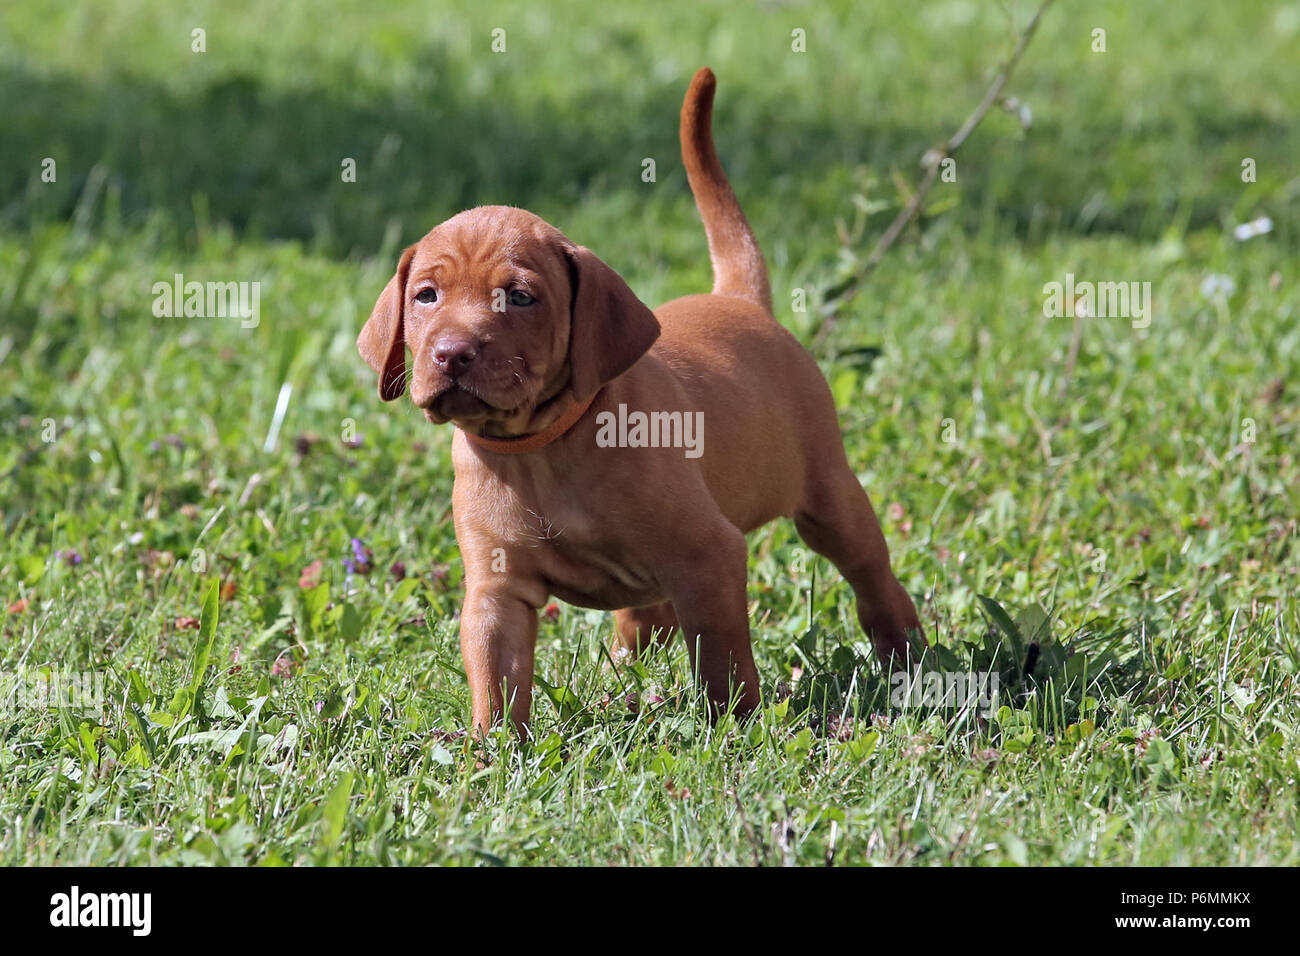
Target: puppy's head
x: 501, y: 313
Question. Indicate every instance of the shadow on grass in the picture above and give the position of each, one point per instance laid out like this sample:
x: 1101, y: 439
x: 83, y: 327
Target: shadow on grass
x: 1013, y: 666
x: 268, y: 161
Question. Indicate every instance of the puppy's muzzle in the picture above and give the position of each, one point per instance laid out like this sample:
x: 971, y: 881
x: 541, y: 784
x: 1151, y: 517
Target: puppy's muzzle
x: 454, y: 356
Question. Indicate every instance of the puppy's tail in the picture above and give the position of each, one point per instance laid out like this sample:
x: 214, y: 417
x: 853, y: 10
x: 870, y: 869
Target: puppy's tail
x: 738, y: 268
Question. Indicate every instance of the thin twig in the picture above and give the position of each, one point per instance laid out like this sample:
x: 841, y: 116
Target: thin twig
x: 843, y: 292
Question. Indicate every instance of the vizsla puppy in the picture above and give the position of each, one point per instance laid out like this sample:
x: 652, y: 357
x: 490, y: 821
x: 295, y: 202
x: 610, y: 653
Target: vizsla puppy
x: 581, y: 468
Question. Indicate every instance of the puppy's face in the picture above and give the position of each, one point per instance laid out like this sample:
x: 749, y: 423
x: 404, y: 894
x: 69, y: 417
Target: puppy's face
x: 501, y: 313
x: 487, y: 308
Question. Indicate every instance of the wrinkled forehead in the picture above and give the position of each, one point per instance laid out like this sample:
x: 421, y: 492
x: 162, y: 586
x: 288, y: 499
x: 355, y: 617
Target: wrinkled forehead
x: 489, y: 242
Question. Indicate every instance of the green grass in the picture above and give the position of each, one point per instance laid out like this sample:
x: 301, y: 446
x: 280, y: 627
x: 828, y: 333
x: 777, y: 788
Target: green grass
x: 1121, y: 496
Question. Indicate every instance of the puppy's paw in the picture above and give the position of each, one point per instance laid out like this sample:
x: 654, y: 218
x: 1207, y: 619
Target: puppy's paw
x: 895, y: 631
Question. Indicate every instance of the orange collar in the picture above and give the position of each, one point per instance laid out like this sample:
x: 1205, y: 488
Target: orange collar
x: 520, y: 444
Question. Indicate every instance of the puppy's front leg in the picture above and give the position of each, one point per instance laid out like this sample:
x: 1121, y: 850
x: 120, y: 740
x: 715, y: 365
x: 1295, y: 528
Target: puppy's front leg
x: 498, y: 633
x: 707, y: 587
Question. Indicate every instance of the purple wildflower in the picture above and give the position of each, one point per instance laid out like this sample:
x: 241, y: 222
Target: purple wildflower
x: 362, y: 559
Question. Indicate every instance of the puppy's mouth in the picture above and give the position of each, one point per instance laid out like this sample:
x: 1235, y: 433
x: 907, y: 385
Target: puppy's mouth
x: 461, y: 403
x: 458, y: 402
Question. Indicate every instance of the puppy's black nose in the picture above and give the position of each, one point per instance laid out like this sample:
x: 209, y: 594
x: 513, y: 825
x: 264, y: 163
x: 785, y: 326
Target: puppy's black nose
x: 454, y: 356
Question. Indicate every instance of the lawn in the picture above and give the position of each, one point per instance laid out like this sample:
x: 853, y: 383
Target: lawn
x: 218, y: 524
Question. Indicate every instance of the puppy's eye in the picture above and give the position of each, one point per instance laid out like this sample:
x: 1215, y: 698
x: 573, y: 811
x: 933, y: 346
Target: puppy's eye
x: 426, y: 296
x: 520, y: 297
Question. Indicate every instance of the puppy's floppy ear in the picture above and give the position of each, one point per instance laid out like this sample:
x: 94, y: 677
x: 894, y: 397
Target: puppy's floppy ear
x: 382, y: 342
x: 611, y: 328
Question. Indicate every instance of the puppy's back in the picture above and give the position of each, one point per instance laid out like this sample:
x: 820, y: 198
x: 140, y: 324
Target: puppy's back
x: 768, y: 412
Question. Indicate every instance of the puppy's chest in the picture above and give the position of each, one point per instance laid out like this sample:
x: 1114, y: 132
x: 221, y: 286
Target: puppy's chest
x: 577, y: 548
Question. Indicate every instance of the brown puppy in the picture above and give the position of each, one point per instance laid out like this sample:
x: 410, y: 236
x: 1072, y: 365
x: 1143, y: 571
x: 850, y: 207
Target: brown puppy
x: 543, y: 357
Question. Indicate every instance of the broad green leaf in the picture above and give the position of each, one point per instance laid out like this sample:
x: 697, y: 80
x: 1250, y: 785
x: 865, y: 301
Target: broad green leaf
x: 203, y: 650
x: 349, y: 623
x: 334, y: 811
x: 862, y: 746
x: 31, y: 567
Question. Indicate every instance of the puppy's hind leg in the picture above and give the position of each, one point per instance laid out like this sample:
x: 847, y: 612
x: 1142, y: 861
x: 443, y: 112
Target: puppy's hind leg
x: 707, y: 586
x: 836, y: 520
x: 640, y: 628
